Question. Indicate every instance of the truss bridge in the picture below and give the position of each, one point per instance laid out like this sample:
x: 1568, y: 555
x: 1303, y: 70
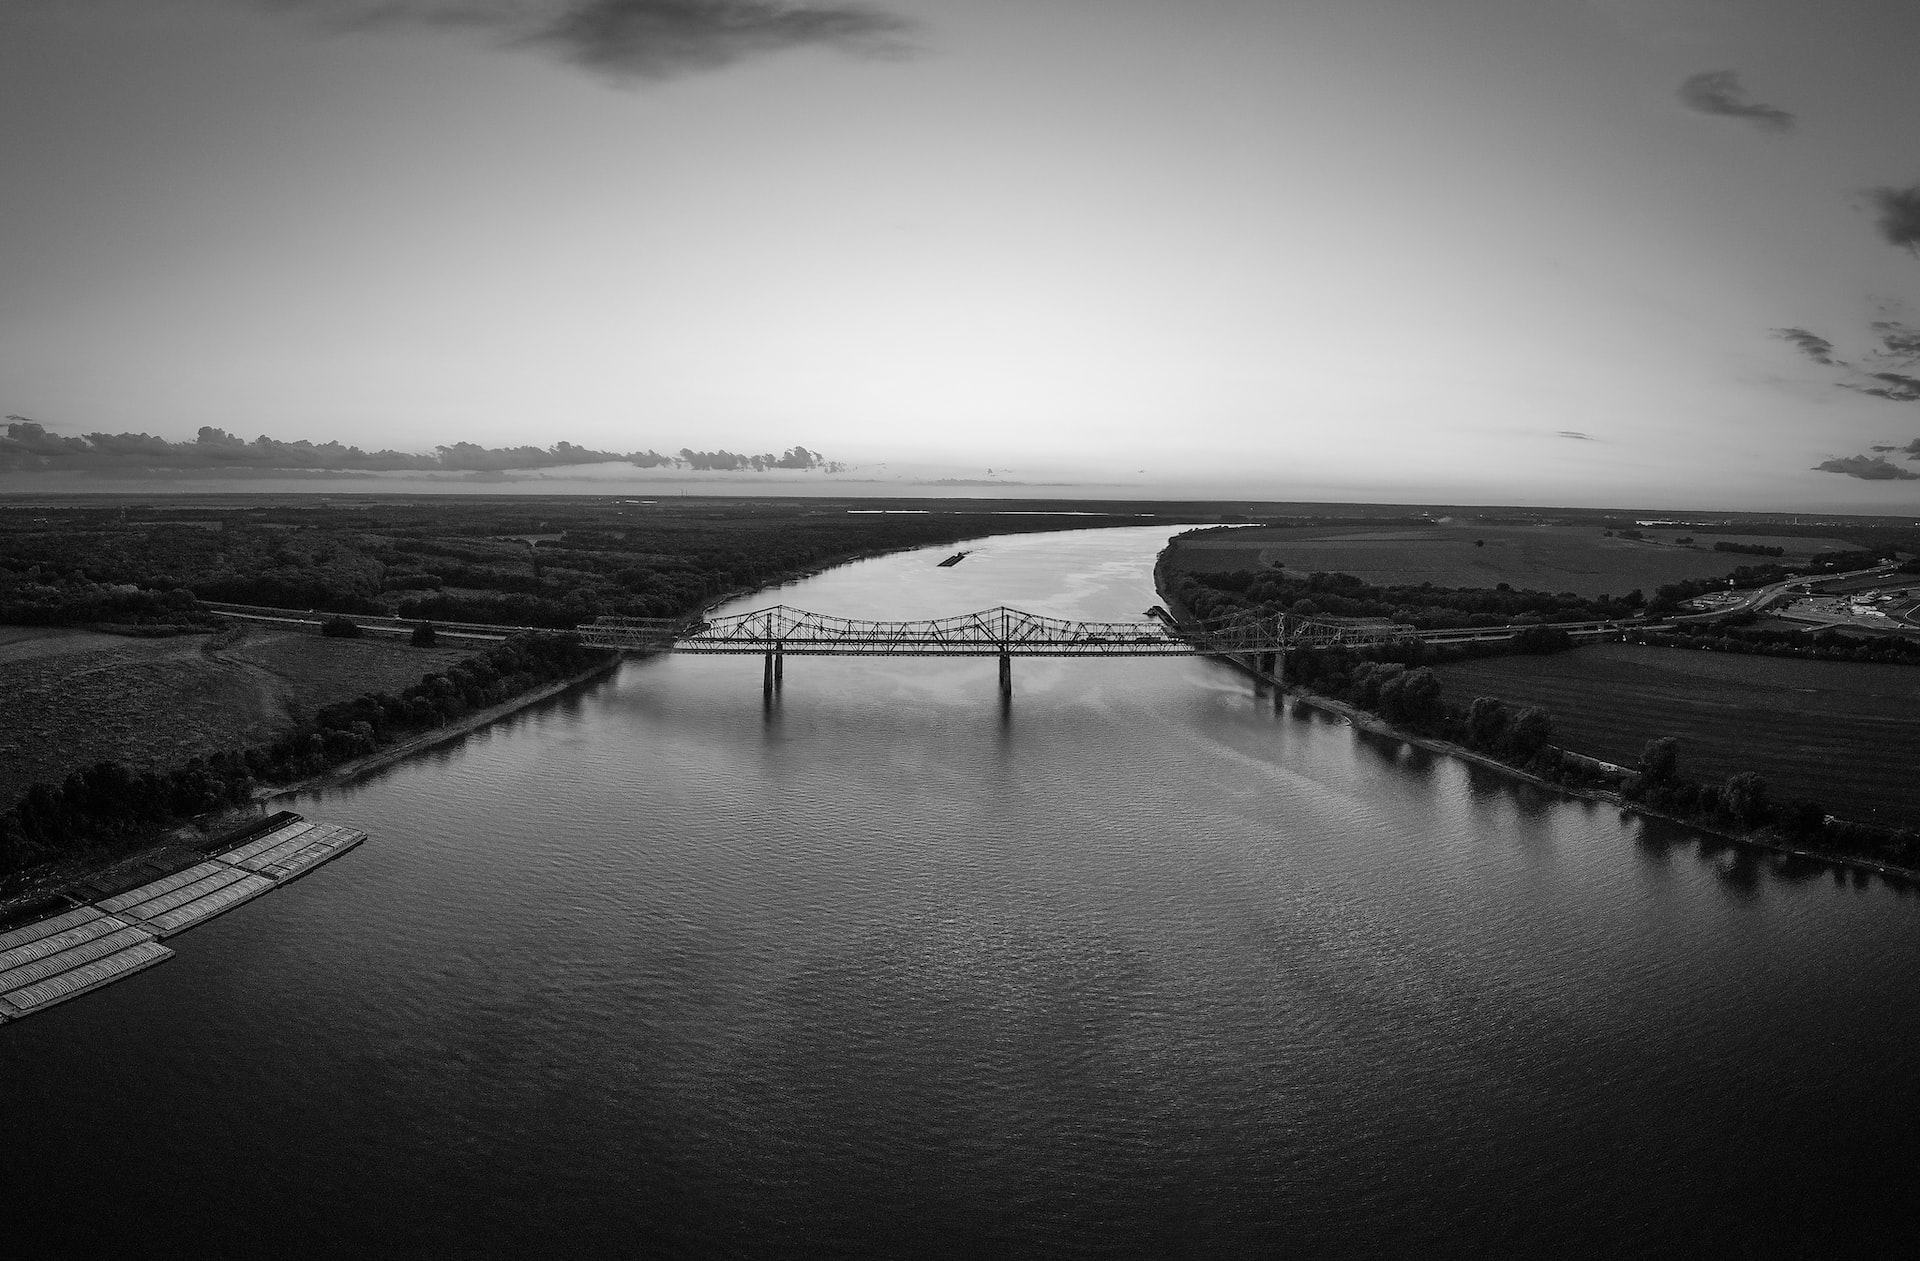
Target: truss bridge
x: 779, y: 632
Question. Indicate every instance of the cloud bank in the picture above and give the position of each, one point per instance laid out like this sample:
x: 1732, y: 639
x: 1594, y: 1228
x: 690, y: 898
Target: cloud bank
x: 1719, y: 92
x: 638, y: 39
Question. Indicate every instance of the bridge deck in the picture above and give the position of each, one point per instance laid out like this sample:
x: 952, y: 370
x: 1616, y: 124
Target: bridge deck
x: 1005, y: 632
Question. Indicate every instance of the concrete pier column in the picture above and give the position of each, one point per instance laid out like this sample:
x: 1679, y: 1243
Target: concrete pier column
x: 1266, y: 663
x: 779, y: 668
x: 766, y: 678
x: 1006, y: 674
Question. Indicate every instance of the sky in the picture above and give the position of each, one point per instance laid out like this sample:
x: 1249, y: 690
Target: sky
x: 1634, y: 252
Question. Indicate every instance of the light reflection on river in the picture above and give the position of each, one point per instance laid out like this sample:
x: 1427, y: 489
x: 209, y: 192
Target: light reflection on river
x: 1147, y: 964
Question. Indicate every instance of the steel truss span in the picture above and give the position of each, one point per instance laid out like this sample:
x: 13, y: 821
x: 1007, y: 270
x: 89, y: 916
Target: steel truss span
x: 992, y: 632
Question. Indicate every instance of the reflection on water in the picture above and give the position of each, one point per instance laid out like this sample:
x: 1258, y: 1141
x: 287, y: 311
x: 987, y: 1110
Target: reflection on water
x: 1140, y: 962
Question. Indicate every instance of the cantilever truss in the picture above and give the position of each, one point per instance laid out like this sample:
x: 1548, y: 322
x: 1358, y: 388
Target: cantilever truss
x: 991, y: 632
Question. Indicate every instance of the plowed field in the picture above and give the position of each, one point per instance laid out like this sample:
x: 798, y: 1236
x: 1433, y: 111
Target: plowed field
x: 1580, y: 559
x: 1844, y: 734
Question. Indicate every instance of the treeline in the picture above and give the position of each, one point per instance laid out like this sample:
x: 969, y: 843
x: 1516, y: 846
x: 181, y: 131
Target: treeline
x: 1857, y: 559
x: 1425, y: 607
x: 110, y: 805
x: 1750, y: 549
x: 1744, y: 802
x: 795, y: 458
x: 27, y: 446
x: 1741, y: 634
x: 71, y: 602
x: 1390, y: 681
x: 514, y: 562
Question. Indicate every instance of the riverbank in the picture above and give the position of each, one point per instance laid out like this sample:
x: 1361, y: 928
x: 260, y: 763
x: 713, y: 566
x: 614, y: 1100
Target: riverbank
x: 360, y: 767
x: 172, y: 847
x: 1374, y: 724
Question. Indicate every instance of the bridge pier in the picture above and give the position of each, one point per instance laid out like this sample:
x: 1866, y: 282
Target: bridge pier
x: 769, y: 678
x: 1006, y: 674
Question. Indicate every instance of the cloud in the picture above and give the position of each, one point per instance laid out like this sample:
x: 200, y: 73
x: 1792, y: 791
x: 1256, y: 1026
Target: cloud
x: 1899, y: 216
x: 1575, y: 433
x: 1815, y: 347
x: 1868, y: 468
x: 1719, y: 92
x: 1897, y: 387
x: 637, y: 39
x: 1897, y: 341
x: 656, y: 39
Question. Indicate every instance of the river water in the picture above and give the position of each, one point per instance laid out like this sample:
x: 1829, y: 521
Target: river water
x: 1143, y: 964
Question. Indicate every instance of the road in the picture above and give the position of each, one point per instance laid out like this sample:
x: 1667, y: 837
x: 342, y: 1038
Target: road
x: 1763, y: 597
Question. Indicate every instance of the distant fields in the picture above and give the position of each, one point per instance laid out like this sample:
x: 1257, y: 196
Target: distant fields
x: 1844, y: 734
x: 1580, y: 559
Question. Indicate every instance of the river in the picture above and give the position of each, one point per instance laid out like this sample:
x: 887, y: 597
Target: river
x: 1144, y: 963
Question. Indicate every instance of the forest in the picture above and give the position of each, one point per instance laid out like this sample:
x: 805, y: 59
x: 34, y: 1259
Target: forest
x: 552, y: 563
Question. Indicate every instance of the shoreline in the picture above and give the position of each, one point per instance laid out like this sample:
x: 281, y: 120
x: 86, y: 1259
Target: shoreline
x: 77, y: 868
x: 81, y: 868
x: 1361, y: 720
x: 399, y: 751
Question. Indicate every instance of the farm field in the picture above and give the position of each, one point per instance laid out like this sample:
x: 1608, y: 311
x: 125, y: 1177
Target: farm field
x: 74, y: 697
x: 1844, y: 734
x: 1580, y: 559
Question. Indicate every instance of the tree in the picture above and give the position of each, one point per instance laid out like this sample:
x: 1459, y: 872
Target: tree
x: 1660, y: 760
x: 423, y: 635
x: 340, y: 628
x: 1412, y: 697
x: 1745, y: 798
x: 1487, y: 719
x: 1529, y: 732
